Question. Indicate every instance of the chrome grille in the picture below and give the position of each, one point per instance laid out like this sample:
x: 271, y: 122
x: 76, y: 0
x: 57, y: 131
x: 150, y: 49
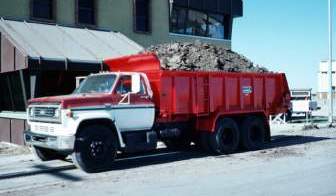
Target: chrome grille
x: 44, y: 112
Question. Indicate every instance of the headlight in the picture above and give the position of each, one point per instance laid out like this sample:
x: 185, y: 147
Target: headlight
x: 31, y: 111
x: 57, y: 113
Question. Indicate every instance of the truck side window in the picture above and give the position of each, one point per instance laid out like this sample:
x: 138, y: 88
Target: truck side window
x: 124, y: 85
x: 142, y: 87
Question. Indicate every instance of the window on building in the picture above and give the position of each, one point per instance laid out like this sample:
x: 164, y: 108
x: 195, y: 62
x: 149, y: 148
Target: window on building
x: 199, y: 19
x: 216, y: 26
x: 86, y: 12
x: 196, y: 23
x: 142, y: 16
x: 178, y: 20
x: 43, y: 9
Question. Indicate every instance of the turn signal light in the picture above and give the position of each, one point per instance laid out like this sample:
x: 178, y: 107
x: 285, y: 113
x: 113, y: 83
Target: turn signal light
x: 69, y: 113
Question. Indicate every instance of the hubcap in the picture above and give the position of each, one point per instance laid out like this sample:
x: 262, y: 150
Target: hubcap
x: 96, y: 149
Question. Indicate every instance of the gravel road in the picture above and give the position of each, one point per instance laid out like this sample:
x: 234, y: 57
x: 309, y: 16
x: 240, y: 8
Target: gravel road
x: 297, y: 162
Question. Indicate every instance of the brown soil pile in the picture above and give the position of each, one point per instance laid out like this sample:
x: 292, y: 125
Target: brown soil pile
x: 199, y: 56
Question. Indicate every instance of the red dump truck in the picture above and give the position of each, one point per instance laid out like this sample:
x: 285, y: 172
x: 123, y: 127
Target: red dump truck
x: 136, y: 103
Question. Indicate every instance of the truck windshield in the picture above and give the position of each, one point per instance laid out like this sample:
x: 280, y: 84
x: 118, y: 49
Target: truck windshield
x: 96, y: 84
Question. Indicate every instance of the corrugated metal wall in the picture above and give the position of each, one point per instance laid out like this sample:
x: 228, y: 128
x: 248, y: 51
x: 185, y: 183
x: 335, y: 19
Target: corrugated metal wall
x: 7, y: 55
x: 11, y: 130
x: 11, y: 58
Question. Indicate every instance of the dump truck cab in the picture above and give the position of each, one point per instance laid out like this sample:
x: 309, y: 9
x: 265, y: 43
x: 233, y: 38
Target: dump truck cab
x: 121, y: 101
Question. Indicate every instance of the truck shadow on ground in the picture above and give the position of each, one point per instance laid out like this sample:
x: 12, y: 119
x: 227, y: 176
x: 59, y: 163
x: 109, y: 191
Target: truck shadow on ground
x: 290, y: 140
x: 164, y: 156
x: 38, y: 169
x: 159, y: 156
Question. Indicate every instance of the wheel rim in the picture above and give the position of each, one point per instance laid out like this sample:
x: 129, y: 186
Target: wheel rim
x: 98, y: 149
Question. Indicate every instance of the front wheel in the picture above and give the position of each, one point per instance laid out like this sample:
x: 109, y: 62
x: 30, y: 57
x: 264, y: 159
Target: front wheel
x: 95, y: 148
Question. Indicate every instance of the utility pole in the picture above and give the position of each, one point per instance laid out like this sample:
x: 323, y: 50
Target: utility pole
x: 330, y: 65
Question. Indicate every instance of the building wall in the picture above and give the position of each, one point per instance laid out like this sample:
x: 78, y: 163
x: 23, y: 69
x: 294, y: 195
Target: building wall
x: 65, y: 13
x: 15, y: 9
x: 12, y: 130
x: 114, y: 15
x: 323, y: 80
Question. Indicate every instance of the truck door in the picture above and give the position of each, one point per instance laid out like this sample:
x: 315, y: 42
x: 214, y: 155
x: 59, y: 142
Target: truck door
x: 135, y: 110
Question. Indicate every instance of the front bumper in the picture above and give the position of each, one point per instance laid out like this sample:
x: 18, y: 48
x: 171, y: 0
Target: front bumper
x: 58, y: 143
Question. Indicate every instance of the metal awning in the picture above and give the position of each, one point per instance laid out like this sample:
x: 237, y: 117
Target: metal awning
x: 46, y: 46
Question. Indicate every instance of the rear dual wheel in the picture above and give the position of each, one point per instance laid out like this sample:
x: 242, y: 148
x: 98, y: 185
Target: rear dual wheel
x: 253, y: 133
x: 225, y: 138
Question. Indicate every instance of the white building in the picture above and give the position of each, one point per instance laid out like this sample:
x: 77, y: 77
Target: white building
x: 322, y: 79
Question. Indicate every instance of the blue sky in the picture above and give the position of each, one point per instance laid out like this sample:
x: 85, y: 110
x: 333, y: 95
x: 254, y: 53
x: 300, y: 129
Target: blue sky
x: 290, y: 36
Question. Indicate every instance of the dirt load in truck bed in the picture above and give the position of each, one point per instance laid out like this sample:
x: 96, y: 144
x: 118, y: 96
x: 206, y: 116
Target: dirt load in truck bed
x: 202, y: 56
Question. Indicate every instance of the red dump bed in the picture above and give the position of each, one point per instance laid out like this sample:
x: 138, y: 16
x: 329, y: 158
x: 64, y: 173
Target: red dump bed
x: 186, y: 95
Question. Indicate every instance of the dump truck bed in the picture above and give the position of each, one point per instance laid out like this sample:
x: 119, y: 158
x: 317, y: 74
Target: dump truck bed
x: 203, y: 96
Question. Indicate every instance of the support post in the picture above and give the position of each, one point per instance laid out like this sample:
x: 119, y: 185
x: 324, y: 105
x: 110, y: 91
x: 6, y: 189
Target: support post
x: 23, y: 87
x: 33, y: 85
x: 330, y: 118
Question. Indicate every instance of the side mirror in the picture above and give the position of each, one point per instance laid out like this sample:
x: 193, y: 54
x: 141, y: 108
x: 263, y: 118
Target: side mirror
x: 136, y: 83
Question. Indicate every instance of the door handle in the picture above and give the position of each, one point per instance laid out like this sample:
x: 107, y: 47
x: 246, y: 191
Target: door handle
x: 108, y: 106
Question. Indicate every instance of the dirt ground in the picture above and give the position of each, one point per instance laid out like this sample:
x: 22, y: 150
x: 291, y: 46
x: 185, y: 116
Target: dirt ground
x: 296, y: 162
x: 8, y: 149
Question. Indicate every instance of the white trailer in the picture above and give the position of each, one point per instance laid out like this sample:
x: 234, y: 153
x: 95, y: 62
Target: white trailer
x: 301, y: 103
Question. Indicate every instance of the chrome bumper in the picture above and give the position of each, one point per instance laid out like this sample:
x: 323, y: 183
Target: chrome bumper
x: 58, y: 143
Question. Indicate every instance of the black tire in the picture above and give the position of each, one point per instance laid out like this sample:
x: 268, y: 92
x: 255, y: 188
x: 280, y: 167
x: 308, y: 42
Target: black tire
x: 225, y: 138
x: 44, y: 154
x: 253, y: 133
x: 95, y: 148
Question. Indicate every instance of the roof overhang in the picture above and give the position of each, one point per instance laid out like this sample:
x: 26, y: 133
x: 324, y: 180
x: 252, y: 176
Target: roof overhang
x: 53, y: 47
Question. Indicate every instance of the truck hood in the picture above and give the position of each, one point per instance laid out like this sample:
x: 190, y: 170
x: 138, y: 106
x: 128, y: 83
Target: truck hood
x: 73, y: 100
